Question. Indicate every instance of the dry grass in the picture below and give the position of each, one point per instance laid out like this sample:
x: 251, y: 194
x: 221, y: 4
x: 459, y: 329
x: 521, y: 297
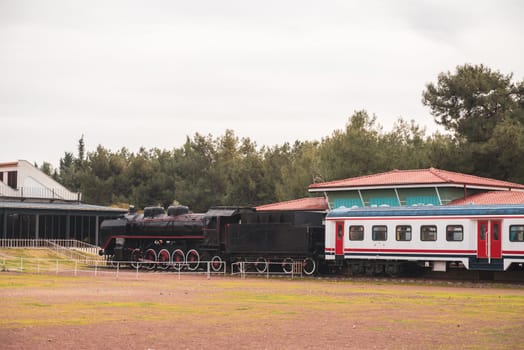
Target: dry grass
x: 386, y: 315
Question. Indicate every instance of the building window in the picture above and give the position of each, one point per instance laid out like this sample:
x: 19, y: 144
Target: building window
x: 454, y: 233
x: 12, y: 179
x: 516, y: 233
x: 380, y: 233
x: 356, y: 233
x: 428, y: 233
x: 403, y: 233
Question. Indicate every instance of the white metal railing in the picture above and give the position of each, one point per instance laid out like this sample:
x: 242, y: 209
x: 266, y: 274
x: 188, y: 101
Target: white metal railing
x: 97, y: 267
x: 289, y: 268
x: 69, y: 248
x: 71, y: 253
x: 41, y: 192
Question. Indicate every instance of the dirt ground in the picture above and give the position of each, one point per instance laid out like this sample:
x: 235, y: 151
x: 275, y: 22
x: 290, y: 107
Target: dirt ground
x: 162, y: 311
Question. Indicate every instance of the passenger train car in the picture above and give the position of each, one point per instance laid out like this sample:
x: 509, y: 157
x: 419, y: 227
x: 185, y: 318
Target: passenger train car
x: 393, y: 239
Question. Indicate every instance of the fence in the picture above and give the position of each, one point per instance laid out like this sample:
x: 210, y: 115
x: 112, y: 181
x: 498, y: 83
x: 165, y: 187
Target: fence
x: 50, y: 244
x: 76, y: 267
x: 83, y: 257
x: 290, y: 268
x: 98, y: 268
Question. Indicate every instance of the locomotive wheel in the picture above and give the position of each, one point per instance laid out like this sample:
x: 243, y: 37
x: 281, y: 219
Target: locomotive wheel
x: 135, y: 257
x: 150, y: 258
x: 309, y: 266
x: 178, y: 259
x: 216, y: 263
x: 287, y: 265
x: 111, y: 261
x: 261, y: 265
x: 193, y: 260
x: 163, y: 259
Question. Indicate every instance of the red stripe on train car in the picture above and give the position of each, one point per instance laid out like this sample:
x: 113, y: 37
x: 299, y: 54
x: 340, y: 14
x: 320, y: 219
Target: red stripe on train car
x: 365, y: 250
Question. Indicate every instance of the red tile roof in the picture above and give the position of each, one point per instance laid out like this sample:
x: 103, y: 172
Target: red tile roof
x: 429, y: 176
x: 494, y: 197
x: 309, y: 203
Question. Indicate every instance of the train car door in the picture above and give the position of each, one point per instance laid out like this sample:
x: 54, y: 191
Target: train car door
x: 488, y: 239
x: 339, y: 238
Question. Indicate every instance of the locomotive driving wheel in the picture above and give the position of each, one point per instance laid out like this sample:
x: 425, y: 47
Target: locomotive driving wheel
x: 150, y: 259
x: 179, y: 259
x: 193, y: 260
x: 163, y: 259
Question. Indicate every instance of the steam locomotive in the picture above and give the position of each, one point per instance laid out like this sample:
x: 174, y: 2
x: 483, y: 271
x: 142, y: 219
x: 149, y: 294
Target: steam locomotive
x: 180, y: 239
x: 386, y: 240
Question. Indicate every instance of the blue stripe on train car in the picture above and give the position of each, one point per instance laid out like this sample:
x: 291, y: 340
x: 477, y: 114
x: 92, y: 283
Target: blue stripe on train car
x: 445, y: 210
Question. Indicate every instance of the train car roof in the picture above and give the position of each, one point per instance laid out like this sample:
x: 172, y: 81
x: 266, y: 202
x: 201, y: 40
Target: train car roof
x: 228, y: 211
x: 444, y: 210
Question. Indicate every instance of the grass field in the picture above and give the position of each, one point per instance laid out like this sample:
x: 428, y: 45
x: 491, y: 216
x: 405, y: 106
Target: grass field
x: 160, y: 311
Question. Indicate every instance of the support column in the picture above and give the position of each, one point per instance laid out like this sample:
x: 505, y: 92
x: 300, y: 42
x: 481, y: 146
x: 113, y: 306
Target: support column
x: 4, y: 229
x: 68, y: 225
x: 37, y: 226
x: 96, y: 230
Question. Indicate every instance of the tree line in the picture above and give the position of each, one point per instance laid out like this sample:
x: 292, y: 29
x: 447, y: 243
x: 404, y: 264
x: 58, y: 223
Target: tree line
x: 481, y: 109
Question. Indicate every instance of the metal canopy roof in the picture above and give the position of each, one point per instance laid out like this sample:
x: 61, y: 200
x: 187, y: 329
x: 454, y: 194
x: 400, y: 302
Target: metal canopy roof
x: 63, y: 207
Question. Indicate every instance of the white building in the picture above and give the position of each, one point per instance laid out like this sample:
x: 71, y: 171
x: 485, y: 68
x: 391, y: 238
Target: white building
x: 21, y: 180
x: 34, y: 206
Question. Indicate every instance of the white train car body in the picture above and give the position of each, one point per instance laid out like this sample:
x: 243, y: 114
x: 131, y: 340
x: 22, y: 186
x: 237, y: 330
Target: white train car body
x: 480, y: 237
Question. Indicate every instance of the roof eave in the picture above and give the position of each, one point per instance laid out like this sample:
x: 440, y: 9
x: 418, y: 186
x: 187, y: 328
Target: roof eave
x: 440, y: 185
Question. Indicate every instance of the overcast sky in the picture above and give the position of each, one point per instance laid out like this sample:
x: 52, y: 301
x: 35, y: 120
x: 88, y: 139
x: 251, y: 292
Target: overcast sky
x: 150, y: 73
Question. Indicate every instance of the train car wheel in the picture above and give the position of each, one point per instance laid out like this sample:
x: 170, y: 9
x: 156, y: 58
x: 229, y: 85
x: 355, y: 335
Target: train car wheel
x: 150, y: 259
x: 179, y: 259
x: 261, y: 265
x: 163, y: 259
x: 287, y: 265
x: 309, y: 266
x: 216, y: 263
x: 193, y: 260
x: 135, y: 258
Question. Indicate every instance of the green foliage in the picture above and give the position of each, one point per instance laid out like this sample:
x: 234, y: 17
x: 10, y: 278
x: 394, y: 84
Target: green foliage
x: 473, y: 100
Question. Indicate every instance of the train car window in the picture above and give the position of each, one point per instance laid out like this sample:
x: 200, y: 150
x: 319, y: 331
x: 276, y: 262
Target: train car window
x: 403, y: 233
x: 516, y: 233
x: 428, y: 233
x: 454, y: 233
x: 380, y: 233
x: 356, y: 233
x: 483, y: 229
x: 339, y: 231
x: 495, y: 232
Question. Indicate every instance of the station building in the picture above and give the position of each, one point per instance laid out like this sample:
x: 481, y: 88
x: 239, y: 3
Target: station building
x: 34, y: 206
x: 405, y: 188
